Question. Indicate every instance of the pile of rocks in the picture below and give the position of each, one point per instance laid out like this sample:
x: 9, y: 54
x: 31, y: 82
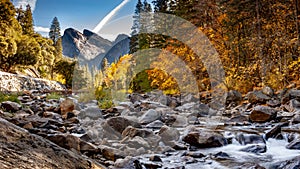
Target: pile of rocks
x: 157, y: 131
x: 15, y: 83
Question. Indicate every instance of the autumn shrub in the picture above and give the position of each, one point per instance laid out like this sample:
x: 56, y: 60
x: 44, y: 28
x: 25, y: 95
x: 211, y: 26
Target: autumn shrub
x: 104, y: 97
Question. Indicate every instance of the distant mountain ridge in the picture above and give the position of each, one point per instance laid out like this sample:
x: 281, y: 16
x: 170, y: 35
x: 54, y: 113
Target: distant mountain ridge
x: 91, y: 49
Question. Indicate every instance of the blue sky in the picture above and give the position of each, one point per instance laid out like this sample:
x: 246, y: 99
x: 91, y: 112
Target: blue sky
x: 79, y: 14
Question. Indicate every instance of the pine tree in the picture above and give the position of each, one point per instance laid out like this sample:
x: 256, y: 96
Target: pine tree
x: 54, y: 33
x: 24, y: 17
x: 135, y: 27
x: 55, y: 36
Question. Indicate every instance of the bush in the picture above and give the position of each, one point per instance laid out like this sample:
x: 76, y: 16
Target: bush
x: 103, y: 95
x: 54, y: 96
x: 9, y: 97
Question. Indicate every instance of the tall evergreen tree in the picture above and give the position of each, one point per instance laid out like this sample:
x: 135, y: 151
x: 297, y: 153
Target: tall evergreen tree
x: 54, y: 33
x: 24, y: 17
x: 135, y: 27
x: 55, y: 36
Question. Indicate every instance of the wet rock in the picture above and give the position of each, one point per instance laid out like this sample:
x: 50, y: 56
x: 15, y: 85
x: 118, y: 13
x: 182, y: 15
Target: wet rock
x: 245, y: 139
x: 261, y: 114
x: 221, y: 156
x: 233, y: 96
x: 295, y: 145
x: 195, y: 154
x: 150, y: 116
x: 203, y: 139
x: 255, y: 149
x: 274, y: 132
x: 296, y: 119
x: 169, y: 135
x: 257, y: 97
x: 250, y: 166
x: 155, y: 158
x: 287, y: 164
x: 119, y: 124
x: 10, y: 106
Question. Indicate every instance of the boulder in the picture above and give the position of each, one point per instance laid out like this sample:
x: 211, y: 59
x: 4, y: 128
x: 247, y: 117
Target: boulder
x: 20, y: 149
x: 257, y: 97
x: 245, y: 139
x: 204, y: 139
x: 255, y: 149
x: 287, y: 164
x: 261, y: 114
x: 10, y: 106
x: 132, y: 132
x: 119, y: 124
x: 233, y: 96
x: 295, y: 145
x: 66, y: 106
x: 150, y: 116
x: 169, y: 135
x: 268, y: 91
x: 294, y: 94
x: 92, y: 112
x: 155, y: 125
x: 274, y: 132
x: 67, y: 141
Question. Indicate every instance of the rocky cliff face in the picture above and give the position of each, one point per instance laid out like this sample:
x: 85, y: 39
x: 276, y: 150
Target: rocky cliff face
x: 86, y: 44
x: 91, y: 48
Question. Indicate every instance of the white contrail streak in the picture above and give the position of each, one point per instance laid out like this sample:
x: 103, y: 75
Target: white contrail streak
x: 108, y: 16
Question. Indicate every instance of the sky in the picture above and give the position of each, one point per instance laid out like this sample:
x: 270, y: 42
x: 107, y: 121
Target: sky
x: 108, y: 18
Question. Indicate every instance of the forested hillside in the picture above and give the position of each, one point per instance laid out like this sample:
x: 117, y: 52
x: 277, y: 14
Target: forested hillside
x: 257, y: 42
x: 22, y: 48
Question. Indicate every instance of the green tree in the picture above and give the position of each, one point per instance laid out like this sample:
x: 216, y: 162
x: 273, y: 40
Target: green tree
x: 46, y: 59
x: 54, y: 33
x: 25, y: 19
x: 134, y: 40
x: 65, y: 67
x: 10, y: 31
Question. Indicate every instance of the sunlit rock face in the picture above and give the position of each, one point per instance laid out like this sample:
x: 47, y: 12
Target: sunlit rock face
x: 15, y: 83
x: 90, y: 48
x: 86, y: 44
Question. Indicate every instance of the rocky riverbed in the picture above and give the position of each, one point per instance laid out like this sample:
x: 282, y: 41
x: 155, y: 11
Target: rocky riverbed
x: 258, y: 130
